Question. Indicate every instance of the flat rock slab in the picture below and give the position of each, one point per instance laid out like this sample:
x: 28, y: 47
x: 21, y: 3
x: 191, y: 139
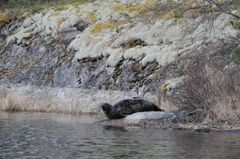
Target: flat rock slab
x: 144, y: 116
x: 145, y: 119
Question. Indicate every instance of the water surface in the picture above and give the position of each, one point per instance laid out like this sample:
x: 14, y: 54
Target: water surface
x: 36, y: 135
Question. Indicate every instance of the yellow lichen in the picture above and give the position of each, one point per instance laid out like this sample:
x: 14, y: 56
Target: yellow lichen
x: 60, y: 21
x: 135, y: 9
x: 64, y: 6
x: 131, y: 8
x: 169, y: 15
x: 4, y: 18
x: 92, y: 17
x: 180, y: 21
x: 121, y: 8
x: 150, y: 3
x: 164, y: 87
x: 100, y: 27
x: 55, y: 14
x: 192, y: 3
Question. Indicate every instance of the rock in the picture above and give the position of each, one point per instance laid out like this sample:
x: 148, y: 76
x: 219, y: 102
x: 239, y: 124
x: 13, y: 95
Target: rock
x: 171, y: 84
x: 202, y: 128
x: 105, y: 45
x: 99, y: 33
x: 163, y: 120
x: 138, y: 117
x: 65, y: 75
x: 191, y: 13
x: 81, y: 26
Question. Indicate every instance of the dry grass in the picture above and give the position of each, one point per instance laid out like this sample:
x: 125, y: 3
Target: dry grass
x: 215, y: 93
x: 16, y: 103
x: 58, y: 100
x: 21, y: 9
x: 13, y: 104
x: 5, y: 17
x: 100, y: 27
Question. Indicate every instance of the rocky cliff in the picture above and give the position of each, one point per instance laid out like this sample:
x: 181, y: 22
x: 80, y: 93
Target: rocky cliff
x: 124, y: 45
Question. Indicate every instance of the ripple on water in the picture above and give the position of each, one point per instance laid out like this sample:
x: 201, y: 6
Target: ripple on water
x: 25, y: 135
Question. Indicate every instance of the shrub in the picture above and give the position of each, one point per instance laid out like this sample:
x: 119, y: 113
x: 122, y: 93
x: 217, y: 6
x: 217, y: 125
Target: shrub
x: 236, y: 25
x: 227, y: 50
x: 210, y: 93
x: 232, y: 50
x: 236, y: 56
x: 191, y: 97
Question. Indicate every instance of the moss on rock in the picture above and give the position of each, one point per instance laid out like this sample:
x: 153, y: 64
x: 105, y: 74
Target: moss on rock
x: 100, y: 27
x: 4, y: 18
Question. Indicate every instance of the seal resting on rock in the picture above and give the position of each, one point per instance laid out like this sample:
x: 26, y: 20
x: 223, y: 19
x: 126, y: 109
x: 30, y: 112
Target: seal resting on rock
x: 126, y: 107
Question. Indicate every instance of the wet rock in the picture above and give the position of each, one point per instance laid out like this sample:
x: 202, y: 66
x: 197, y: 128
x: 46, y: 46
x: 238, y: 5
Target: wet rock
x: 202, y: 128
x: 139, y: 117
x: 145, y: 119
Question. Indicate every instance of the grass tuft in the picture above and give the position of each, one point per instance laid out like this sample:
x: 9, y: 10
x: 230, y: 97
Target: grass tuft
x: 4, y: 18
x: 100, y: 27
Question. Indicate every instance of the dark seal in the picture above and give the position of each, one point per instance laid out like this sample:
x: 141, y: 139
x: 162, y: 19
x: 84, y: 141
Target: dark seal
x: 126, y: 107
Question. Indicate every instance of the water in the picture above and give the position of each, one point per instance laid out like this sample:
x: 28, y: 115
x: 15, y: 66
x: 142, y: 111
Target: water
x: 25, y: 135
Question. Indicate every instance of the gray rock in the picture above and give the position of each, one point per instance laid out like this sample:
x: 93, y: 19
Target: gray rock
x: 65, y: 75
x: 139, y: 117
x: 202, y: 128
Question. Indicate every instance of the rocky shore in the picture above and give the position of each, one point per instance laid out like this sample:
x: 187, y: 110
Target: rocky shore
x: 71, y: 60
x: 17, y: 98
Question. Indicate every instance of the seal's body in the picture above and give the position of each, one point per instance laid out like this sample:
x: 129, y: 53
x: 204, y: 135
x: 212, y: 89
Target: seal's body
x: 127, y: 107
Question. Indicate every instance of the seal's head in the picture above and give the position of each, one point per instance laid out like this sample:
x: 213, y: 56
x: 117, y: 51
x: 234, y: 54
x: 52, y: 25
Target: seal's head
x: 106, y: 108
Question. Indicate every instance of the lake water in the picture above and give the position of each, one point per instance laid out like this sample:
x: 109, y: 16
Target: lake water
x: 37, y: 135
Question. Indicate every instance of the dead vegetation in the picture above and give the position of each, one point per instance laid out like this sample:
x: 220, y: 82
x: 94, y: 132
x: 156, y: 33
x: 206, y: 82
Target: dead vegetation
x: 133, y: 43
x: 210, y: 93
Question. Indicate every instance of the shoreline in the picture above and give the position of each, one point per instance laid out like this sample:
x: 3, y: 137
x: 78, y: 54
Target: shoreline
x: 76, y: 101
x: 56, y: 99
x: 119, y: 123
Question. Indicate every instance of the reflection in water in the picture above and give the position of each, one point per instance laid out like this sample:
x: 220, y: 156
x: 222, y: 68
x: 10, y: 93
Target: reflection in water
x: 25, y: 135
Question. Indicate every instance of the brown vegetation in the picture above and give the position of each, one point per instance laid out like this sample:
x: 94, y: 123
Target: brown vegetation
x: 210, y: 93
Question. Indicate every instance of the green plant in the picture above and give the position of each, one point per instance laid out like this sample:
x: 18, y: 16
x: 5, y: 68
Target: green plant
x: 232, y: 50
x: 236, y: 25
x: 238, y: 35
x: 34, y: 6
x: 226, y: 50
x: 236, y: 56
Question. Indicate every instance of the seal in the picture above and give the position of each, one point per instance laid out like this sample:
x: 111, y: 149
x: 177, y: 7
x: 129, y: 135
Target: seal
x: 126, y: 107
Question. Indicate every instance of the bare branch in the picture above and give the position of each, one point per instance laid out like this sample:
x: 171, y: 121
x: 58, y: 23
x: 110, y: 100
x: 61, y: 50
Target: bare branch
x: 223, y: 9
